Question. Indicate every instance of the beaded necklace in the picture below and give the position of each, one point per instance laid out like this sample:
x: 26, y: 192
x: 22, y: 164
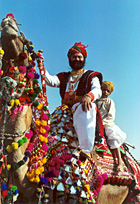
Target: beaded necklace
x: 75, y: 75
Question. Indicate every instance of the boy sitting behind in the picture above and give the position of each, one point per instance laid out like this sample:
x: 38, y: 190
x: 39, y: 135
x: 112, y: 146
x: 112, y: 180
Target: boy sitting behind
x: 115, y: 136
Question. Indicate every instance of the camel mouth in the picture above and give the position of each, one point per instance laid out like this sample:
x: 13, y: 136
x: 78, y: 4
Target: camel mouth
x: 9, y: 27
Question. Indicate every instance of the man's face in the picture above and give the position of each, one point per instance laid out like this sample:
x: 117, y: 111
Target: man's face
x: 77, y: 61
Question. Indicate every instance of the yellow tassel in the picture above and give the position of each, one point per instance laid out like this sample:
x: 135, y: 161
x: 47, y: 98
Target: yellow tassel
x: 28, y: 174
x: 42, y: 130
x: 87, y: 186
x: 86, y: 171
x: 12, y: 102
x: 8, y: 167
x: 40, y: 106
x: 17, y: 102
x: 37, y: 122
x: 14, y: 145
x: 41, y: 138
x: 41, y: 169
x: 66, y: 185
x: 1, y: 51
x: 84, y: 182
x: 37, y: 171
x: 9, y: 149
x: 44, y: 160
x: 45, y: 139
x: 31, y: 179
x: 30, y: 59
x: 15, y: 68
x: 43, y: 122
x: 39, y: 190
x: 81, y: 164
x: 36, y: 179
x: 54, y: 182
x: 46, y: 195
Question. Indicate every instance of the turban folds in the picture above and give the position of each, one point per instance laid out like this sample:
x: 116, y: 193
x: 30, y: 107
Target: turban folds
x: 78, y: 48
x: 109, y: 85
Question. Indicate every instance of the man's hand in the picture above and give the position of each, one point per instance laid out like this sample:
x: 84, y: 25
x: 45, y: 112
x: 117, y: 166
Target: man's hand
x: 86, y: 103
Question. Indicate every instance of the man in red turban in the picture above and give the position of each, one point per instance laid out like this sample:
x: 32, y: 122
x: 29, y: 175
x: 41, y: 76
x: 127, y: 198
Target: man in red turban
x: 79, y: 89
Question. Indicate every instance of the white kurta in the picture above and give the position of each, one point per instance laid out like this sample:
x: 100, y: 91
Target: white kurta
x: 84, y: 122
x: 115, y: 136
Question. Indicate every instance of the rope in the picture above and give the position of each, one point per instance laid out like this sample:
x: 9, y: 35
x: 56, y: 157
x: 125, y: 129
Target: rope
x: 41, y: 67
x: 3, y: 127
x: 127, y: 149
x: 14, y: 135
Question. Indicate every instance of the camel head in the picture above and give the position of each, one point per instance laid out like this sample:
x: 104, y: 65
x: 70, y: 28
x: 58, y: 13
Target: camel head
x: 13, y: 42
x: 9, y: 26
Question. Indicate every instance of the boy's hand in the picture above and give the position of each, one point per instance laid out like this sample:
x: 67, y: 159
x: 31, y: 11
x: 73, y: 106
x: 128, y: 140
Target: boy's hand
x: 86, y: 103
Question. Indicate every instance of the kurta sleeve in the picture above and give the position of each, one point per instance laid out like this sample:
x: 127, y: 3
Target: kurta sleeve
x: 52, y: 81
x: 109, y: 119
x: 95, y: 92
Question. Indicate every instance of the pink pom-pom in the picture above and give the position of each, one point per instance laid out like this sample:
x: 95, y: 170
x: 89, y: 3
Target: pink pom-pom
x: 56, y: 159
x: 29, y: 134
x: 30, y: 75
x: 10, y: 14
x: 45, y: 134
x: 100, y: 179
x: 56, y: 173
x: 57, y: 166
x: 22, y: 69
x: 30, y: 147
x: 52, y: 168
x: 32, y: 70
x: 49, y: 179
x: 51, y: 163
x: 39, y: 54
x: 61, y: 162
x: 79, y: 162
x: 90, y: 198
x: 44, y: 117
x: 62, y: 157
x: 105, y: 176
x: 46, y: 128
x: 98, y: 190
x: 0, y: 72
x: 95, y: 192
x: 44, y: 147
x: 69, y: 156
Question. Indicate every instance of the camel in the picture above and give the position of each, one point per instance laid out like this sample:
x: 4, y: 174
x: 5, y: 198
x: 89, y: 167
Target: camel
x: 12, y: 45
x: 22, y: 121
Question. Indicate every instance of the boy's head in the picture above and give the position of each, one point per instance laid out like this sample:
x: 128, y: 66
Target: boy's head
x: 107, y: 88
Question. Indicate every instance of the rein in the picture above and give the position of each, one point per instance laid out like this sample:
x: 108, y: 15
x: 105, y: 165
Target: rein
x: 11, y: 136
x: 127, y: 149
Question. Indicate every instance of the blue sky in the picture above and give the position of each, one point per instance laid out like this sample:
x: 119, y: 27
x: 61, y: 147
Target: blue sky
x: 111, y: 29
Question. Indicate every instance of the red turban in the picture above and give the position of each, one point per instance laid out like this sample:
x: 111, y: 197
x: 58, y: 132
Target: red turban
x: 78, y: 47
